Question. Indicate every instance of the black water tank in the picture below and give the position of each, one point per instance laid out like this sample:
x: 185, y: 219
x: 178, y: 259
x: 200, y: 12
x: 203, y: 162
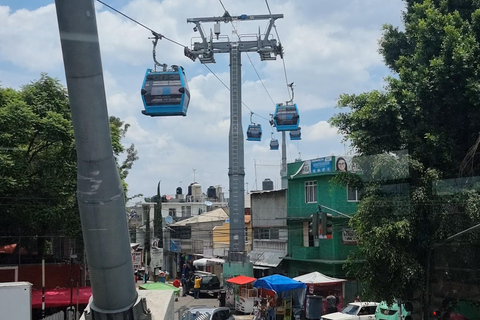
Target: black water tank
x: 212, y: 192
x: 179, y: 190
x: 267, y: 184
x: 190, y: 190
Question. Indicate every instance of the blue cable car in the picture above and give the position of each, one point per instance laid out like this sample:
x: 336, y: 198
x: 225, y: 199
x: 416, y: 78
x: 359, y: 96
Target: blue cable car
x: 296, y: 134
x: 286, y: 117
x: 254, y: 132
x: 165, y: 93
x: 274, y: 144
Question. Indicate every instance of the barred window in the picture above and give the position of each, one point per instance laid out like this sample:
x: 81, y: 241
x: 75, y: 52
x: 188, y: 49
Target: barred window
x: 311, y: 192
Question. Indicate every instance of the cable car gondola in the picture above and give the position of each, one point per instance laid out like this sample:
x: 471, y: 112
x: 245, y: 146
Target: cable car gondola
x: 286, y: 117
x: 274, y: 144
x: 165, y: 93
x: 254, y: 132
x: 296, y: 134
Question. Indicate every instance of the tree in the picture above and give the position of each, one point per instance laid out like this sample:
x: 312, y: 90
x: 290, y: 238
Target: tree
x: 38, y: 168
x: 118, y: 129
x: 429, y: 108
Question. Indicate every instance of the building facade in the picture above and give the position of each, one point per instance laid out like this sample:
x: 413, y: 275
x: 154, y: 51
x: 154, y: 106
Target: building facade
x: 270, y: 234
x: 311, y: 245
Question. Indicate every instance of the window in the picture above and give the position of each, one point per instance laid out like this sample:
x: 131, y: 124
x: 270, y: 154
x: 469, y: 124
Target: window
x: 172, y: 212
x: 265, y: 233
x: 311, y: 191
x: 353, y: 195
x: 186, y: 211
x: 274, y: 234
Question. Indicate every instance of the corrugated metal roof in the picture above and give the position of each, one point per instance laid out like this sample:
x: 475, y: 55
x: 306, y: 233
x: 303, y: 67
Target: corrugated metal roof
x: 216, y: 215
x: 266, y: 258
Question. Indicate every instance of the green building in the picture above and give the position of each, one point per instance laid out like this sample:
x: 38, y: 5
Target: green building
x: 325, y: 250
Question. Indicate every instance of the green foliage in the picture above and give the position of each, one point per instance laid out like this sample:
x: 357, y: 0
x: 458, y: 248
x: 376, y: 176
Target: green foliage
x: 430, y: 108
x: 38, y: 161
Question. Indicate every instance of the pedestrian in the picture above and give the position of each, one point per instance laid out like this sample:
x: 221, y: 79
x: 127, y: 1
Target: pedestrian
x: 147, y: 273
x: 256, y: 311
x: 331, y: 303
x: 271, y: 309
x: 222, y: 297
x: 176, y: 284
x: 196, y: 287
x: 357, y: 298
x: 183, y: 281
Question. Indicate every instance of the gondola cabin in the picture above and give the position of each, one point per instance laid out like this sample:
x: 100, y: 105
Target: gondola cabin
x: 254, y: 132
x: 296, y: 134
x: 286, y: 117
x: 274, y: 144
x: 165, y: 93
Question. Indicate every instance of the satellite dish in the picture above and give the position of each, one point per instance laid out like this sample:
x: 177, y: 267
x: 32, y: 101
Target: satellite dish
x: 168, y: 219
x: 208, y: 203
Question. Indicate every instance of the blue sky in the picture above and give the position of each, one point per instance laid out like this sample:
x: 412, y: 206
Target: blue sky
x: 331, y: 48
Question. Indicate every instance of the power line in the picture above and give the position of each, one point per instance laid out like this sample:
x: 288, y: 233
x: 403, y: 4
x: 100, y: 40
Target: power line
x: 173, y: 41
x: 141, y: 24
x: 283, y: 58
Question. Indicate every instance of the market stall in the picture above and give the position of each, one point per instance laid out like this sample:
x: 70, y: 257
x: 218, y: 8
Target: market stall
x: 288, y: 299
x: 320, y: 285
x: 244, y: 293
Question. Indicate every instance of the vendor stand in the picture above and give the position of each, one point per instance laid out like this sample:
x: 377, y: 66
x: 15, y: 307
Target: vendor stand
x: 320, y: 285
x: 245, y: 294
x: 289, y: 296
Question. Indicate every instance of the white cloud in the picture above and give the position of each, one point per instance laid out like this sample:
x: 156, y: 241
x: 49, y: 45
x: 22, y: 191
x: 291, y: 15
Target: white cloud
x: 330, y: 48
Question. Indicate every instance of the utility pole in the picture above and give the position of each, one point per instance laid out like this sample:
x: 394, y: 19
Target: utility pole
x: 268, y: 49
x: 146, y: 210
x: 158, y: 227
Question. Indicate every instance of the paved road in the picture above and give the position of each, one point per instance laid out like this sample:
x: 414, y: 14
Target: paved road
x: 187, y: 302
x: 184, y: 303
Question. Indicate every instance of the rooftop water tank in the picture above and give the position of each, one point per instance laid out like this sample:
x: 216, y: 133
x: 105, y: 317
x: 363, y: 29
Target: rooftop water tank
x: 196, y: 190
x: 267, y: 184
x: 179, y: 190
x: 212, y: 192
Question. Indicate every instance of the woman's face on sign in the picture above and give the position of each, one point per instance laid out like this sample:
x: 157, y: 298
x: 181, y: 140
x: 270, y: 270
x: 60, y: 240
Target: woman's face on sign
x: 341, y: 165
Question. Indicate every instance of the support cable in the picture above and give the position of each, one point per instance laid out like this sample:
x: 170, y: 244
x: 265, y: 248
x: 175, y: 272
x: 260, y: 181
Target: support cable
x: 160, y: 36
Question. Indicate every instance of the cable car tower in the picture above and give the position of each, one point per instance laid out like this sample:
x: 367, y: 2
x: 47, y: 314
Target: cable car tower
x: 268, y: 49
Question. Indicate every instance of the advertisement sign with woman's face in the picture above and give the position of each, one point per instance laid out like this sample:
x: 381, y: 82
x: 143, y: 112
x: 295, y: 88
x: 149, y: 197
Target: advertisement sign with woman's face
x: 341, y: 164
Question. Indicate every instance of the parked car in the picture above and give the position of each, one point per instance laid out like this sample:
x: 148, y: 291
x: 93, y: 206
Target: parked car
x: 210, y: 284
x: 354, y: 311
x: 208, y: 313
x: 389, y: 312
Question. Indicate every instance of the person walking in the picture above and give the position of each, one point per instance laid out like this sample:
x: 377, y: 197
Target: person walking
x: 196, y: 287
x: 176, y: 284
x: 331, y: 303
x: 183, y: 281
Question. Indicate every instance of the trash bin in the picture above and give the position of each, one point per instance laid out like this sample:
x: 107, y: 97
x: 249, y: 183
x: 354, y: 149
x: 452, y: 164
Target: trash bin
x: 313, y: 307
x: 222, y: 297
x: 161, y: 277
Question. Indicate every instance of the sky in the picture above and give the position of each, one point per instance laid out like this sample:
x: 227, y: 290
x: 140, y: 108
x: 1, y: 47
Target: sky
x: 330, y: 48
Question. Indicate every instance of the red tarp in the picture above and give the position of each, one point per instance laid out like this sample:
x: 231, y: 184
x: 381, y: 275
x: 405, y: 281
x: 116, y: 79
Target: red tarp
x: 241, y: 280
x: 61, y: 297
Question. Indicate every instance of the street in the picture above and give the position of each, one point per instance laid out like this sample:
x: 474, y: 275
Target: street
x: 187, y: 302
